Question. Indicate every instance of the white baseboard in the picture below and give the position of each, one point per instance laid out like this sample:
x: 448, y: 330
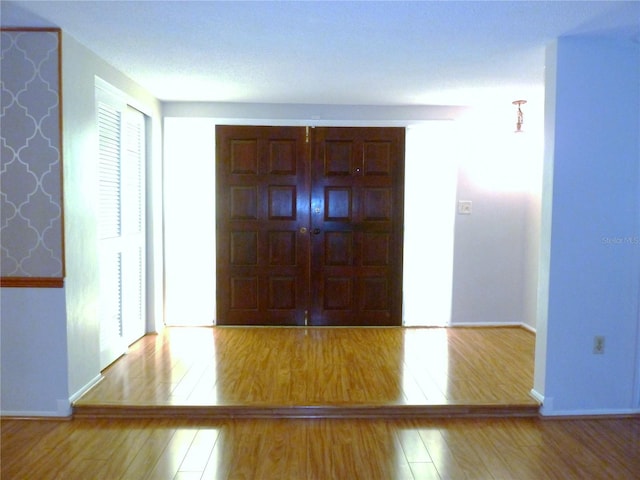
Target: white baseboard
x: 546, y: 409
x: 86, y: 388
x: 64, y: 406
x: 537, y: 396
x: 30, y: 414
x: 528, y: 327
x: 589, y: 413
x: 63, y: 411
x: 493, y: 324
x: 35, y: 414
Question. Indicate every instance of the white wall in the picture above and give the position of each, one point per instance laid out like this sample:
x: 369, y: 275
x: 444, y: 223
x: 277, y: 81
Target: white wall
x: 189, y: 221
x: 431, y: 167
x: 80, y: 66
x: 34, y: 352
x: 496, y: 246
x: 591, y: 260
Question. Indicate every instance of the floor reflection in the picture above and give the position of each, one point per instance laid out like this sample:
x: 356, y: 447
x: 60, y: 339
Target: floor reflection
x: 309, y: 366
x: 382, y: 449
x: 249, y: 366
x: 426, y: 362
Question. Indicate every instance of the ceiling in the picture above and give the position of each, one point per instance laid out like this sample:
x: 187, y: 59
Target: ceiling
x: 330, y: 52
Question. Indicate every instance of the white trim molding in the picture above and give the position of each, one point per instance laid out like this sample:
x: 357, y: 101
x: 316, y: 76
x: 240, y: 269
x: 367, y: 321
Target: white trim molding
x: 33, y: 414
x: 537, y: 396
x: 528, y: 327
x: 92, y: 383
x: 622, y: 412
x: 492, y: 324
x: 64, y: 411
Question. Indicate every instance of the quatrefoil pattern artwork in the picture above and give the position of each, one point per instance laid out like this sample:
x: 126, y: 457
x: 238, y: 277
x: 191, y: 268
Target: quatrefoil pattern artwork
x: 31, y: 228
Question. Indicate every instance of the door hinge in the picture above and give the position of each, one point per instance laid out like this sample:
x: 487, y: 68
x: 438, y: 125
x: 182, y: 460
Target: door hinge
x: 306, y: 318
x: 306, y: 135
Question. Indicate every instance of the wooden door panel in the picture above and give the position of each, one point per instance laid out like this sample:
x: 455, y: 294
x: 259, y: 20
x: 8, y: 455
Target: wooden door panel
x: 244, y: 293
x: 338, y: 157
x: 377, y: 158
x: 377, y: 204
x: 338, y: 248
x: 357, y: 223
x: 375, y: 294
x: 282, y: 202
x: 262, y: 203
x: 243, y: 203
x: 243, y: 246
x: 376, y: 249
x: 243, y: 157
x: 338, y: 204
x: 309, y: 227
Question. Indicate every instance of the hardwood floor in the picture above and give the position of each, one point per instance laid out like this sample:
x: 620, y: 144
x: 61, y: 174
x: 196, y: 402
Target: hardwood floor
x: 223, y: 372
x: 191, y: 387
x: 318, y: 449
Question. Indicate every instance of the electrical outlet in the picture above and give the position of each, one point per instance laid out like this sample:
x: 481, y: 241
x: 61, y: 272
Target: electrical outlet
x: 598, y: 345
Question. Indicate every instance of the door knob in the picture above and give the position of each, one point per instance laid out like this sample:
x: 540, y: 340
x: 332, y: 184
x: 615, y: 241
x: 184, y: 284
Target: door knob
x: 303, y: 230
x: 316, y: 231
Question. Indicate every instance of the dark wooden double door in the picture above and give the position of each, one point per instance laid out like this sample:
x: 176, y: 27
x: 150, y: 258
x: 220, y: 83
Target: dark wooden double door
x: 309, y: 225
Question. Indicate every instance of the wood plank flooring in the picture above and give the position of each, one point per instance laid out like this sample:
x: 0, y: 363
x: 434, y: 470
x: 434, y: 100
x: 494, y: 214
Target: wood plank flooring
x: 223, y: 372
x: 318, y: 449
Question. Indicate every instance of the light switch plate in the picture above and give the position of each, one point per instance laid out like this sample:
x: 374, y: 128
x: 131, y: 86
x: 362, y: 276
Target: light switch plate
x: 464, y: 207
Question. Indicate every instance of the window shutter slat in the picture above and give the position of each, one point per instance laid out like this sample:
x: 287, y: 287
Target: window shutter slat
x: 133, y: 162
x: 109, y: 124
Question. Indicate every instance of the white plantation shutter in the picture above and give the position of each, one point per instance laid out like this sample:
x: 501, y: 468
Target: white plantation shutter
x: 133, y: 221
x: 121, y: 233
x: 109, y: 126
x: 111, y: 291
x: 132, y: 166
